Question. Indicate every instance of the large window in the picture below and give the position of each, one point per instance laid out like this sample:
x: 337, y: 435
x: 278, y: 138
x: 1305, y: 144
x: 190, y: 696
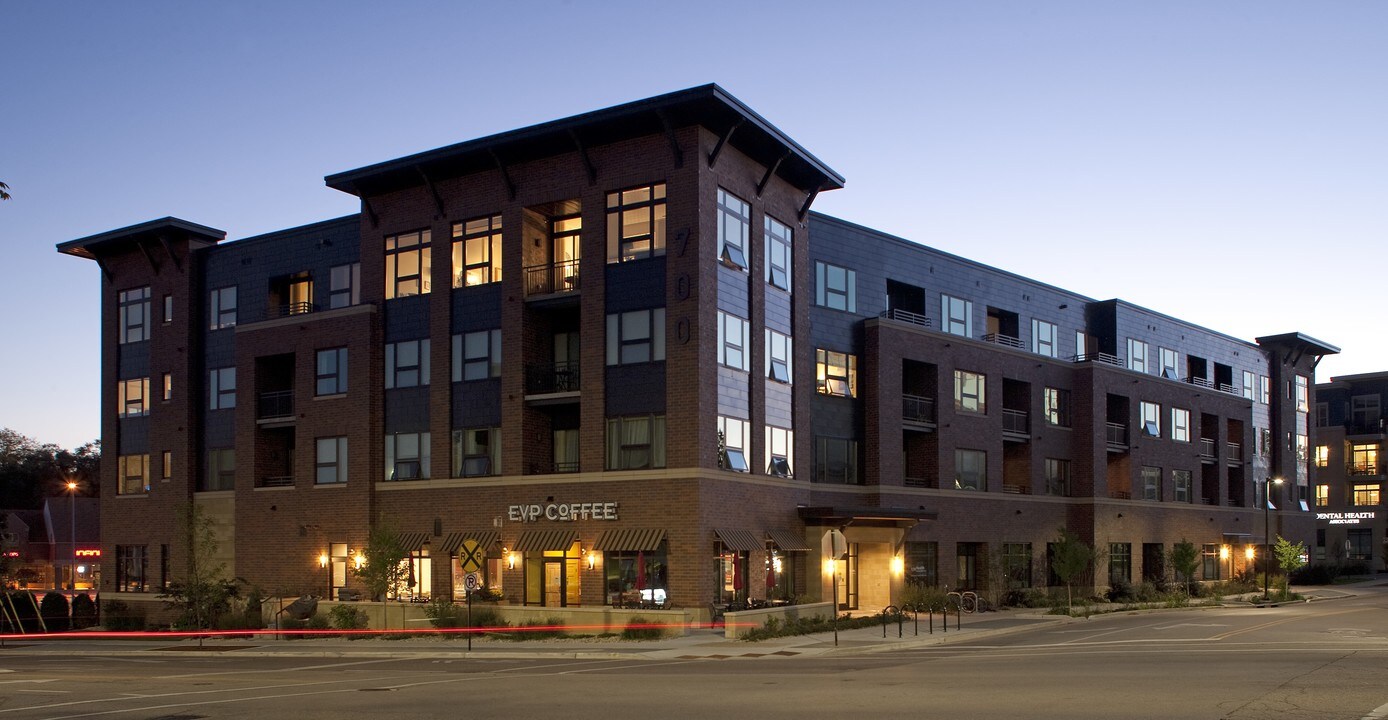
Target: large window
x: 476, y: 452
x: 1016, y: 565
x: 330, y: 373
x: 836, y: 373
x: 836, y: 461
x: 1303, y: 394
x: 1043, y: 338
x: 1120, y: 563
x: 344, y: 285
x: 835, y: 287
x: 1180, y: 424
x: 132, y: 474
x: 637, y: 336
x: 1151, y: 483
x: 956, y: 316
x: 636, y: 578
x: 221, y: 470
x: 780, y: 451
x: 477, y: 251
x: 330, y: 463
x: 1322, y: 456
x: 1181, y: 486
x: 1151, y: 418
x: 134, y: 315
x: 1363, y: 459
x: 407, y: 456
x: 779, y: 256
x: 1322, y: 496
x: 1364, y: 412
x: 778, y: 356
x: 1056, y: 406
x: 1360, y: 544
x: 970, y: 469
x: 1057, y: 477
x: 733, y: 333
x: 636, y: 443
x: 477, y: 355
x: 223, y: 306
x: 737, y: 443
x: 636, y: 223
x: 407, y: 364
x: 407, y: 264
x: 221, y: 388
x: 1137, y: 355
x: 970, y: 392
x: 923, y: 563
x: 132, y: 397
x: 1249, y: 388
x: 1168, y: 359
x: 1361, y: 495
x: 734, y: 229
x: 131, y: 567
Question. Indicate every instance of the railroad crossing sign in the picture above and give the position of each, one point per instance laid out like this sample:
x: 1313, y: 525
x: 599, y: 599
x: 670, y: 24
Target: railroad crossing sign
x: 470, y: 556
x: 472, y: 582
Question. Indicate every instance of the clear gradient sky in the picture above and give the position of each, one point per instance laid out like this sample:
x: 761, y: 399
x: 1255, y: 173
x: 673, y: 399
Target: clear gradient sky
x: 1222, y: 162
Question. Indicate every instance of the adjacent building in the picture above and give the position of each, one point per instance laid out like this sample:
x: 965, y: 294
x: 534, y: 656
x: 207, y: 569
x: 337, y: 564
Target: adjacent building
x: 615, y: 358
x: 1350, y: 430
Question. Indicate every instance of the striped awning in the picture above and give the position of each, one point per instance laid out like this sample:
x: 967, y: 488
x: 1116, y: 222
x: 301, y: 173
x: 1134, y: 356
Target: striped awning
x: 541, y: 540
x: 634, y: 539
x: 740, y: 540
x: 486, y: 540
x: 412, y: 542
x: 788, y: 540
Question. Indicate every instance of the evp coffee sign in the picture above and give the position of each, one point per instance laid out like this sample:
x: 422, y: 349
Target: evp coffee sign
x: 562, y: 512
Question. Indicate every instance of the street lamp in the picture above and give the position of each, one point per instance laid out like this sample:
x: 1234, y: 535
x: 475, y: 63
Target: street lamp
x: 1267, y: 530
x: 72, y: 533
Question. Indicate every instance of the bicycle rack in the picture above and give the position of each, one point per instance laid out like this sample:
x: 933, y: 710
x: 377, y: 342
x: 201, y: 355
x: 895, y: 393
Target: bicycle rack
x: 887, y: 613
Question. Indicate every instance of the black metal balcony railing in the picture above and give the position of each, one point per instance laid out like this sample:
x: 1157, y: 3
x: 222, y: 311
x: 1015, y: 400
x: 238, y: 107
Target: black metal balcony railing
x: 566, y: 467
x: 1362, y: 468
x: 560, y: 277
x: 1116, y: 433
x: 1014, y: 489
x: 1366, y: 427
x: 1234, y: 452
x: 1202, y: 382
x: 276, y: 404
x: 1207, y: 447
x: 1015, y: 421
x: 1000, y: 339
x: 907, y: 316
x: 917, y: 409
x: 551, y: 378
x: 298, y: 308
x: 1105, y: 358
x: 277, y: 481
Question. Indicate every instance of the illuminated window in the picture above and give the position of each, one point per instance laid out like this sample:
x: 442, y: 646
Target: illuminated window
x: 1322, y: 495
x: 1362, y: 495
x: 407, y: 456
x: 637, y: 336
x: 132, y: 397
x: 168, y: 386
x: 477, y: 251
x: 1056, y: 406
x: 835, y: 287
x: 1151, y: 419
x: 1322, y: 456
x: 636, y: 443
x: 1043, y: 338
x: 407, y: 364
x: 836, y: 373
x: 133, y: 306
x: 732, y: 341
x: 636, y: 223
x: 956, y: 316
x: 1363, y: 459
x: 778, y: 356
x: 970, y: 392
x: 736, y: 435
x: 477, y: 355
x: 223, y: 306
x: 734, y: 229
x: 408, y: 264
x: 132, y: 474
x: 1180, y: 424
x: 779, y: 265
x: 166, y: 465
x: 221, y: 389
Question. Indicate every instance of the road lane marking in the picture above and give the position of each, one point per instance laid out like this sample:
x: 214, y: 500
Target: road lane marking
x: 330, y: 666
x: 1282, y: 621
x: 1379, y: 712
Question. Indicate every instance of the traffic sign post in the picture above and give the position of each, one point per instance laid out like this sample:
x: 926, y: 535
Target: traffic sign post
x: 834, y: 546
x: 470, y: 556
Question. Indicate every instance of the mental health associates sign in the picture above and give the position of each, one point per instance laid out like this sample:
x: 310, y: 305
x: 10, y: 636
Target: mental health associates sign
x: 1344, y: 518
x: 563, y: 512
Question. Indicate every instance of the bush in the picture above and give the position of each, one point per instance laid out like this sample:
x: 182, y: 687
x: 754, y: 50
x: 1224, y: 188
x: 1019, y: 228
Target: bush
x: 1315, y: 574
x: 487, y: 617
x: 83, y: 612
x: 54, y: 610
x: 21, y: 604
x: 116, y: 615
x: 1355, y: 567
x: 444, y: 613
x: 1120, y: 591
x: 638, y: 628
x: 346, y: 617
x: 542, y: 630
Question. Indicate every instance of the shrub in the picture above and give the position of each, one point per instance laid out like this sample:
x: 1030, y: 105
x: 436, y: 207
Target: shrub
x: 638, y: 628
x: 487, y: 617
x: 1120, y: 591
x: 21, y: 604
x: 1315, y: 574
x: 54, y: 610
x: 542, y: 630
x: 444, y: 613
x: 116, y: 615
x: 83, y: 612
x: 346, y: 617
x: 1355, y: 567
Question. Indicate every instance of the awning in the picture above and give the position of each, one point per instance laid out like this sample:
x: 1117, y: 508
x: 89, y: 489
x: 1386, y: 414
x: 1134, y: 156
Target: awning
x: 788, y: 540
x: 631, y: 540
x: 412, y: 542
x: 485, y: 540
x: 840, y: 516
x: 740, y: 540
x: 541, y: 540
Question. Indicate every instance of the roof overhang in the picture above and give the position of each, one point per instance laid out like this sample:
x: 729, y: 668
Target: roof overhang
x: 94, y: 247
x: 1300, y: 342
x: 842, y: 516
x: 708, y: 105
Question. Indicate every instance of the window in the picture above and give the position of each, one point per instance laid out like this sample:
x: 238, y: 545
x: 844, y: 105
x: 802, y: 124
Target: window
x: 778, y: 356
x: 956, y: 316
x: 1322, y: 495
x: 1057, y: 477
x: 330, y: 467
x: 636, y: 223
x: 732, y: 341
x: 221, y: 389
x: 168, y: 386
x: 1081, y: 343
x: 1303, y: 394
x: 836, y: 461
x: 477, y: 355
x: 1016, y: 565
x: 1359, y: 544
x: 1265, y: 389
x: 734, y: 228
x: 223, y: 306
x: 923, y: 563
x: 330, y: 374
x: 168, y: 309
x: 835, y: 287
x: 636, y: 337
x: 1248, y: 384
x: 166, y: 465
x: 132, y: 397
x: 636, y: 443
x: 134, y: 315
x: 131, y: 561
x: 969, y: 392
x: 1180, y: 424
x: 221, y: 470
x: 1181, y: 486
x: 1168, y: 360
x: 407, y: 364
x: 1322, y: 414
x: 344, y: 285
x: 476, y: 452
x: 736, y: 436
x: 836, y: 373
x: 566, y: 450
x: 1043, y: 338
x: 1364, y: 412
x: 1322, y: 456
x: 1302, y: 447
x: 132, y: 474
x: 1151, y: 483
x: 1120, y: 563
x: 970, y: 470
x: 477, y: 252
x: 779, y: 265
x: 1137, y: 355
x: 1056, y: 406
x: 780, y: 450
x: 1361, y: 495
x: 1151, y: 419
x: 407, y: 456
x: 408, y: 264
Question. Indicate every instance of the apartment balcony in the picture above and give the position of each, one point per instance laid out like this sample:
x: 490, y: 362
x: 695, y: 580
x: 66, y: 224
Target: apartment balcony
x: 1116, y: 435
x: 1000, y: 339
x: 1374, y: 428
x: 276, y: 481
x: 275, y: 312
x: 1104, y: 358
x: 906, y: 316
x: 552, y: 383
x: 1233, y: 453
x: 274, y: 406
x: 1016, y: 425
x: 1016, y: 489
x: 559, y: 278
x: 1207, y: 450
x: 918, y: 412
x: 1363, y: 468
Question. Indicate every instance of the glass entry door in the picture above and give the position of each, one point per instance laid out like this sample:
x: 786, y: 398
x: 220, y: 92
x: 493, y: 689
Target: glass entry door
x: 846, y: 576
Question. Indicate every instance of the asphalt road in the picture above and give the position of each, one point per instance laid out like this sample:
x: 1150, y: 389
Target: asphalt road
x: 1322, y: 660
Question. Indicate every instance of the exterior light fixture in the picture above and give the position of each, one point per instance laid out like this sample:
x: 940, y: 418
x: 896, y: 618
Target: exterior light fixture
x: 898, y: 565
x: 511, y: 560
x: 1248, y: 552
x: 830, y: 566
x: 592, y: 558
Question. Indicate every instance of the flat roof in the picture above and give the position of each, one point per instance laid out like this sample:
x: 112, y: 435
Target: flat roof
x: 708, y: 105
x: 90, y: 246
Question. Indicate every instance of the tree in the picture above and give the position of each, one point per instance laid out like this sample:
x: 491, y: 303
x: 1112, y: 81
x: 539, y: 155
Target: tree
x: 384, y: 567
x: 31, y: 471
x: 203, y: 594
x: 4, y: 195
x: 1185, y: 557
x: 1070, y: 557
x: 1289, y: 556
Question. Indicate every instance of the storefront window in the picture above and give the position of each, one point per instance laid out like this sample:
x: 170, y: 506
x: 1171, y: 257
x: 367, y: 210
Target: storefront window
x: 732, y: 577
x: 552, y: 577
x: 636, y: 578
x: 416, y: 577
x: 491, y: 579
x: 781, y: 574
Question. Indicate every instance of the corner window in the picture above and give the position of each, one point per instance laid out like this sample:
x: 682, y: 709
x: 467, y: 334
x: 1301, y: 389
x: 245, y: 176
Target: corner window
x: 133, y: 307
x: 477, y: 355
x: 778, y: 356
x: 1137, y: 355
x: 330, y: 465
x: 636, y: 443
x: 407, y: 456
x: 636, y: 223
x: 221, y: 389
x: 732, y: 341
x: 780, y: 448
x: 407, y: 364
x: 836, y: 373
x: 1056, y: 406
x: 970, y: 390
x: 735, y: 435
x: 970, y: 470
x: 779, y: 256
x: 1180, y: 424
x: 956, y: 316
x: 132, y: 397
x: 636, y: 337
x: 330, y: 373
x: 835, y: 288
x: 408, y: 264
x: 476, y: 452
x: 477, y: 252
x: 132, y: 474
x: 344, y: 285
x: 836, y: 461
x: 223, y: 305
x: 1043, y: 338
x: 734, y: 228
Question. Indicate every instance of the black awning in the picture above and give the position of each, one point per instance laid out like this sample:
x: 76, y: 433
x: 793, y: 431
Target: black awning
x: 542, y: 540
x: 630, y: 540
x: 452, y: 541
x: 412, y: 542
x: 788, y: 540
x: 740, y: 540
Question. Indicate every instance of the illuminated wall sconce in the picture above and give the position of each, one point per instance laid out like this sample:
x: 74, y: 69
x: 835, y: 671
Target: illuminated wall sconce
x: 511, y: 560
x: 323, y: 560
x: 898, y: 566
x: 1223, y: 552
x: 592, y: 558
x: 1248, y: 552
x: 830, y: 566
x: 358, y: 559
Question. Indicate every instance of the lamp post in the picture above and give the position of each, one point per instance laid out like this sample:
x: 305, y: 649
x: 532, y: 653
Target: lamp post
x: 72, y: 533
x: 1267, y: 530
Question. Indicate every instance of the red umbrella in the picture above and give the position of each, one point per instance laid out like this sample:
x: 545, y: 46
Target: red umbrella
x: 640, y: 571
x: 737, y: 574
x: 770, y: 576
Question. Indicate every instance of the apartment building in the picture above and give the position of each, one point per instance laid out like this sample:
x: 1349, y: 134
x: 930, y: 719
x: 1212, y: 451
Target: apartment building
x: 1350, y: 429
x: 616, y: 358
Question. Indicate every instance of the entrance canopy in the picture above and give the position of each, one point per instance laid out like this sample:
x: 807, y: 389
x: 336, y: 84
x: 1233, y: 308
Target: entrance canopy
x: 842, y: 516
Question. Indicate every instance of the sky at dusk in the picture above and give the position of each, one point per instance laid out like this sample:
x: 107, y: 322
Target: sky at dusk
x: 1222, y: 162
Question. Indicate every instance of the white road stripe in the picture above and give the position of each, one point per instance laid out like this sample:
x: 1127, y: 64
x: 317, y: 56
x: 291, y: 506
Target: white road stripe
x: 1379, y: 712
